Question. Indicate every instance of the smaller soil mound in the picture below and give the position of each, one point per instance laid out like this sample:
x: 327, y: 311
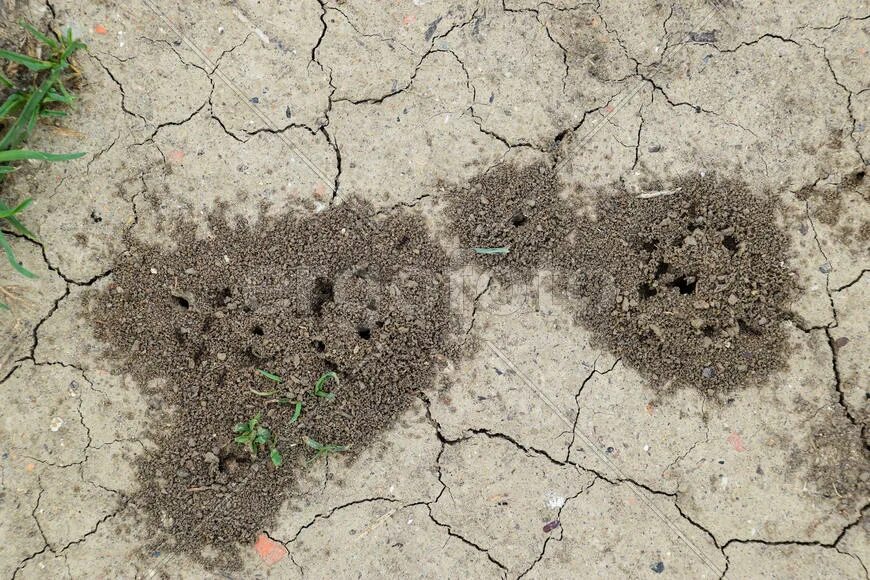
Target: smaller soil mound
x: 688, y: 287
x: 515, y: 208
x: 298, y: 298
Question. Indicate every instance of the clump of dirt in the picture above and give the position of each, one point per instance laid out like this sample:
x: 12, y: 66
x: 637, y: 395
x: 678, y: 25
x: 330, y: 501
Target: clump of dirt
x: 831, y: 206
x: 511, y: 207
x: 297, y: 297
x: 689, y: 287
x: 839, y: 468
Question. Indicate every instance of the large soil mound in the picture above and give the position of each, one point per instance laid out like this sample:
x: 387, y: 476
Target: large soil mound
x: 297, y: 298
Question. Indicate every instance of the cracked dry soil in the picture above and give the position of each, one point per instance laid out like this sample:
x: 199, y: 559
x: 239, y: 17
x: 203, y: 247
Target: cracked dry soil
x: 689, y: 287
x: 765, y: 478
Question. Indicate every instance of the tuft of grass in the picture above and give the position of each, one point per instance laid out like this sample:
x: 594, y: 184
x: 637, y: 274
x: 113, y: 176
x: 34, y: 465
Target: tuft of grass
x: 322, y: 450
x: 318, y: 386
x: 487, y: 251
x: 256, y: 437
x: 26, y: 105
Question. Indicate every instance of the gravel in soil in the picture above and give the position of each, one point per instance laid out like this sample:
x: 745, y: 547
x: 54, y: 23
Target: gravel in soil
x: 297, y: 297
x: 688, y: 285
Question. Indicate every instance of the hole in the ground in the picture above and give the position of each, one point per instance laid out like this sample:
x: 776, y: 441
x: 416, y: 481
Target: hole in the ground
x: 364, y: 332
x: 662, y: 269
x: 223, y: 296
x: 180, y: 302
x: 180, y: 337
x: 709, y: 330
x: 258, y: 330
x: 730, y: 242
x: 318, y: 345
x: 379, y: 323
x: 519, y: 219
x: 685, y: 284
x: 747, y: 328
x: 231, y: 462
x: 256, y: 353
x: 860, y: 175
x: 323, y: 293
x: 646, y: 291
x: 650, y: 245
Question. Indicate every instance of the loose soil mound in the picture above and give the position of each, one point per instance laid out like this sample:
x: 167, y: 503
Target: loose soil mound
x: 689, y: 287
x: 294, y: 297
x: 516, y: 208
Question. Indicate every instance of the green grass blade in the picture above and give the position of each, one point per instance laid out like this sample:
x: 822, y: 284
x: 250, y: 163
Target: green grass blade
x: 26, y: 120
x: 17, y: 209
x: 52, y: 113
x: 276, y: 458
x: 10, y: 255
x: 318, y: 386
x: 39, y: 36
x: 12, y: 102
x: 21, y: 154
x: 269, y: 375
x: 31, y: 63
x: 296, y: 413
x: 56, y: 97
x: 19, y: 227
x: 487, y: 251
x: 3, y: 306
x: 6, y: 169
x: 4, y: 80
x: 71, y: 47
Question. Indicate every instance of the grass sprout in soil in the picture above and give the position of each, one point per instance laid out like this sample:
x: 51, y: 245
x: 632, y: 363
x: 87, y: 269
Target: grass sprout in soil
x: 270, y: 346
x: 690, y: 287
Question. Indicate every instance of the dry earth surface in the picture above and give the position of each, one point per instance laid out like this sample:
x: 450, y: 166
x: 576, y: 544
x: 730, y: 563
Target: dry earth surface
x: 542, y: 455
